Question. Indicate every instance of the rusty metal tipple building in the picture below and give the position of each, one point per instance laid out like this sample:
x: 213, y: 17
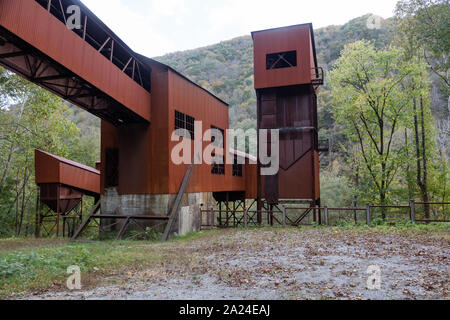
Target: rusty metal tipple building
x: 286, y: 79
x: 141, y: 102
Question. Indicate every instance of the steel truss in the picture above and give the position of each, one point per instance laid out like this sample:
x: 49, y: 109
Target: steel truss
x: 36, y: 67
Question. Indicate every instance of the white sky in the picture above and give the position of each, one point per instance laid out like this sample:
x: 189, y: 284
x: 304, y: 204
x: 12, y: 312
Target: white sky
x: 156, y: 27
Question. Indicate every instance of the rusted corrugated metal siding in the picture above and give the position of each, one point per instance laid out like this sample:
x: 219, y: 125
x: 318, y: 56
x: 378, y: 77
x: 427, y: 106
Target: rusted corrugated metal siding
x: 186, y: 97
x: 51, y: 169
x: 159, y: 136
x: 251, y: 180
x: 46, y: 168
x: 33, y: 24
x: 134, y: 159
x: 60, y: 198
x: 281, y: 40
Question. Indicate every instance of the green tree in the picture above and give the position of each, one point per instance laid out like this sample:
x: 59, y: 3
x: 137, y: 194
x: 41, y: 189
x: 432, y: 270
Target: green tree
x: 424, y: 32
x: 425, y: 25
x: 372, y: 91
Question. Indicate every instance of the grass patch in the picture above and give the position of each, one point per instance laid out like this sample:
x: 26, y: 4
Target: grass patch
x: 32, y: 269
x: 29, y: 265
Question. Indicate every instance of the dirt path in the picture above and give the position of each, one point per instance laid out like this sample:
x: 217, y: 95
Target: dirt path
x: 288, y: 264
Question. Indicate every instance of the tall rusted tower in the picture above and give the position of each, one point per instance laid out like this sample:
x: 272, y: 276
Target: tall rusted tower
x: 286, y: 81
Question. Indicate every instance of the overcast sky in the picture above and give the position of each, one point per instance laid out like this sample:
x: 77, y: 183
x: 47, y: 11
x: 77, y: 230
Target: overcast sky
x: 156, y: 27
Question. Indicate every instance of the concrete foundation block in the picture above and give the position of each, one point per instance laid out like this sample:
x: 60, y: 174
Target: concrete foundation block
x: 190, y: 218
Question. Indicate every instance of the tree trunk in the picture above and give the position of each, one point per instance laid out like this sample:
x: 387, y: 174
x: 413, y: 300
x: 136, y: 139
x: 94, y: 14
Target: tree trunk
x: 409, y: 177
x: 425, y: 195
x: 421, y: 158
x: 37, y: 214
x: 11, y: 149
x: 22, y: 212
x: 383, y: 203
x: 17, y: 204
x: 7, y: 165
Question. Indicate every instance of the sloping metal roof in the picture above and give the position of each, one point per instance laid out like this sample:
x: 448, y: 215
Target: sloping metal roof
x: 70, y: 162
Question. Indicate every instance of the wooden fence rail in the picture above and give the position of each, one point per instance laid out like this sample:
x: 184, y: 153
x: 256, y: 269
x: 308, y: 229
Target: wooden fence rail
x: 246, y: 217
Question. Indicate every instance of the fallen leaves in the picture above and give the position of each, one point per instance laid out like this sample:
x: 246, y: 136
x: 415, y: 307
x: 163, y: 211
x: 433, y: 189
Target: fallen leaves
x: 314, y: 263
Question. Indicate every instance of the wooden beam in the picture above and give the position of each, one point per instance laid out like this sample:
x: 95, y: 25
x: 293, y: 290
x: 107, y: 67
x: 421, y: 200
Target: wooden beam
x: 123, y: 229
x: 85, y: 27
x: 86, y: 222
x: 176, y: 206
x: 139, y: 73
x: 112, y: 50
x: 128, y: 63
x: 50, y: 78
x: 12, y: 54
x: 104, y: 44
x: 62, y: 11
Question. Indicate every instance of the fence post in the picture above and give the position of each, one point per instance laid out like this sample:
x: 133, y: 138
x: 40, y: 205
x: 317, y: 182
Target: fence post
x: 368, y: 214
x: 211, y: 218
x: 245, y: 218
x: 412, y: 205
x: 325, y: 211
x: 284, y: 216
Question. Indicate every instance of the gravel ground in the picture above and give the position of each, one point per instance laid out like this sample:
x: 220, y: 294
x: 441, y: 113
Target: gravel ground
x: 287, y: 264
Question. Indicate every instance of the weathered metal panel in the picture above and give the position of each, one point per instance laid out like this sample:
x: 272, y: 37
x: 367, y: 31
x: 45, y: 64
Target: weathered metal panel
x: 251, y: 181
x: 159, y: 136
x: 46, y: 168
x: 80, y: 178
x: 60, y: 198
x: 33, y: 24
x: 134, y: 159
x: 294, y: 38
